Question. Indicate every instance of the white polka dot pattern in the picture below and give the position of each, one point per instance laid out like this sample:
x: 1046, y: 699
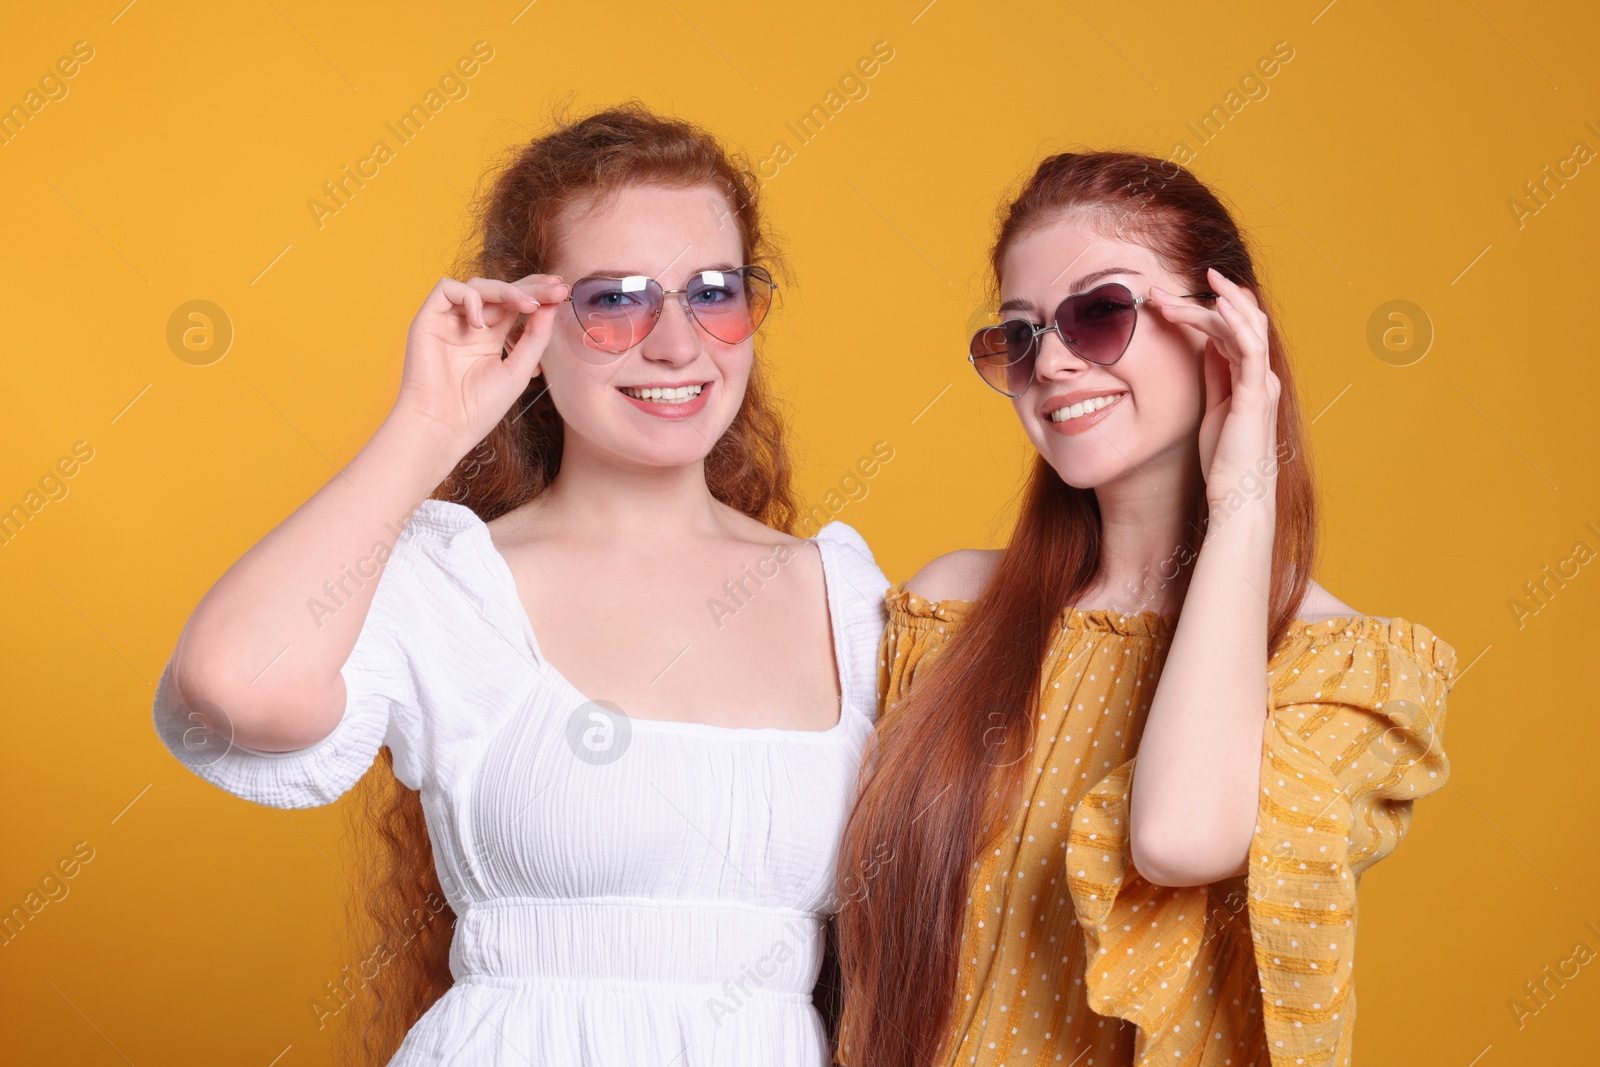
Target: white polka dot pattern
x: 1071, y: 957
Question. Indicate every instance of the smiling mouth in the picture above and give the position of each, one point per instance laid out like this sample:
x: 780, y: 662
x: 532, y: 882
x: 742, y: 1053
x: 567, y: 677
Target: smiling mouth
x: 1087, y: 407
x: 680, y: 395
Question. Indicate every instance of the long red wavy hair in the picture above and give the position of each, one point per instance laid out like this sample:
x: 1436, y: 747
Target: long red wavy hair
x: 399, y: 924
x: 952, y: 750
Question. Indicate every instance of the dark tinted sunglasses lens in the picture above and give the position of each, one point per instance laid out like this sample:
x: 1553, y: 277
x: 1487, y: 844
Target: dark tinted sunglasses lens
x: 730, y: 304
x: 1098, y: 324
x: 1002, y: 356
x: 617, y: 313
x: 1024, y: 348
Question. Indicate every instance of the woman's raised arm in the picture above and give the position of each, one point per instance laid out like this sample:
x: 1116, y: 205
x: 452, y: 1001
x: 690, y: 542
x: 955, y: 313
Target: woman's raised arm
x: 1196, y: 786
x: 257, y: 661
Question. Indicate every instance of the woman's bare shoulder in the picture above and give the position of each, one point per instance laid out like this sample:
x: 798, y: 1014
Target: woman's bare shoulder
x: 1319, y: 605
x: 753, y: 531
x: 958, y: 575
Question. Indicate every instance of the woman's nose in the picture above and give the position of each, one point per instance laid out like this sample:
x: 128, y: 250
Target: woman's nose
x: 1055, y: 356
x: 675, y: 338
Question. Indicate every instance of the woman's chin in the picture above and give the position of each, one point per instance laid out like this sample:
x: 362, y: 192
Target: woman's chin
x: 1085, y: 471
x: 662, y: 459
x: 1078, y: 481
x: 663, y: 454
x: 646, y: 442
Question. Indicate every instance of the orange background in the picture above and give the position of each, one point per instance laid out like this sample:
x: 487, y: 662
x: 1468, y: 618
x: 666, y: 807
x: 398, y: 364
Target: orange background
x: 1379, y: 165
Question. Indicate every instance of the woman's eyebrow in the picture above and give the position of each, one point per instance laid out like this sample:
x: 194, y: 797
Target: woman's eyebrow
x: 1079, y: 286
x: 1087, y: 280
x: 615, y: 272
x: 629, y: 272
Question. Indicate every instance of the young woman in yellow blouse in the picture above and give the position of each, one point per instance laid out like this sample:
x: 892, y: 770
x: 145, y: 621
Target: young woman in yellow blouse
x: 1130, y: 768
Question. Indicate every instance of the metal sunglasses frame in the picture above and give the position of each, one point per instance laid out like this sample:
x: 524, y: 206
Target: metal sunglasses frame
x: 1040, y: 331
x: 683, y: 298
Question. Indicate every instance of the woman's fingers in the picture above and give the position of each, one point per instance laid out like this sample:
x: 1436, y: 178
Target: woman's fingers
x: 1243, y: 334
x: 1238, y: 323
x: 1253, y: 369
x: 1212, y: 323
x: 1222, y: 285
x: 464, y: 296
x: 521, y: 360
x: 545, y: 288
x: 458, y: 372
x: 546, y: 292
x: 510, y: 299
x: 1242, y: 300
x: 1241, y: 392
x: 487, y: 302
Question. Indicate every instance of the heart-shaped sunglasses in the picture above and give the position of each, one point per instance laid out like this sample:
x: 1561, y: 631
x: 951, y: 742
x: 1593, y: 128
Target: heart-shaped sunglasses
x: 618, y: 313
x: 1096, y: 325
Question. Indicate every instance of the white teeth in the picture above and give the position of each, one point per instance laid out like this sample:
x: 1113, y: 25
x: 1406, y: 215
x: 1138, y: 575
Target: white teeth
x: 1086, y: 407
x: 679, y: 395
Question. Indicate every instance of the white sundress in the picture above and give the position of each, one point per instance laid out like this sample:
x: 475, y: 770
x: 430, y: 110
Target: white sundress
x: 628, y: 892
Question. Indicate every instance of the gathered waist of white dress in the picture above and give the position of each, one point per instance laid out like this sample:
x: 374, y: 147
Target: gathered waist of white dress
x: 702, y: 947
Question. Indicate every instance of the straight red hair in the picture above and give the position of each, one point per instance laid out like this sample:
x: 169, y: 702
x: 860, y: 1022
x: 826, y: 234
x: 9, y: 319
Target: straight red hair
x: 954, y: 750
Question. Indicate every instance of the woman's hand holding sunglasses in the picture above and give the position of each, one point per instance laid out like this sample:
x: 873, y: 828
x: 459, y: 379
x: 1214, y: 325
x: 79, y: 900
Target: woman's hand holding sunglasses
x: 458, y: 379
x: 1240, y: 426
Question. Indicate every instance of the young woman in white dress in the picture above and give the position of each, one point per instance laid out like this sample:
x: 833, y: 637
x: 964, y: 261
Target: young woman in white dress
x: 626, y: 704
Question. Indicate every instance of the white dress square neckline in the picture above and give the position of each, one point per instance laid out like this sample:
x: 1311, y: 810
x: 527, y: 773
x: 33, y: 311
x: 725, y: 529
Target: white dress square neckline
x: 508, y: 586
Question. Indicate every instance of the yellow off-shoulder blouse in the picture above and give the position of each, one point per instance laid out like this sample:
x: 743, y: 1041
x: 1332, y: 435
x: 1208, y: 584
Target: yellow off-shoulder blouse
x: 1071, y: 957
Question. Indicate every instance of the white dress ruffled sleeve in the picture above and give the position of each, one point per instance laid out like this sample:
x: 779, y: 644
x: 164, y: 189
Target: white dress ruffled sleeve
x: 382, y: 707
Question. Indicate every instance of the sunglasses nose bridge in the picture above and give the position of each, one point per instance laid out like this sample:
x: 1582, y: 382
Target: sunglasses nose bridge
x: 679, y: 297
x: 689, y: 328
x: 1045, y: 364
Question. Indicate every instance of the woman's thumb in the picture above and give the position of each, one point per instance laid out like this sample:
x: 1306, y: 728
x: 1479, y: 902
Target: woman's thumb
x: 1218, y: 377
x: 522, y: 359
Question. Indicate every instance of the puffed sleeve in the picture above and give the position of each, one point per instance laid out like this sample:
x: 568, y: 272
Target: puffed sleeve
x: 381, y: 708
x: 857, y: 585
x: 1352, y: 740
x: 917, y: 629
